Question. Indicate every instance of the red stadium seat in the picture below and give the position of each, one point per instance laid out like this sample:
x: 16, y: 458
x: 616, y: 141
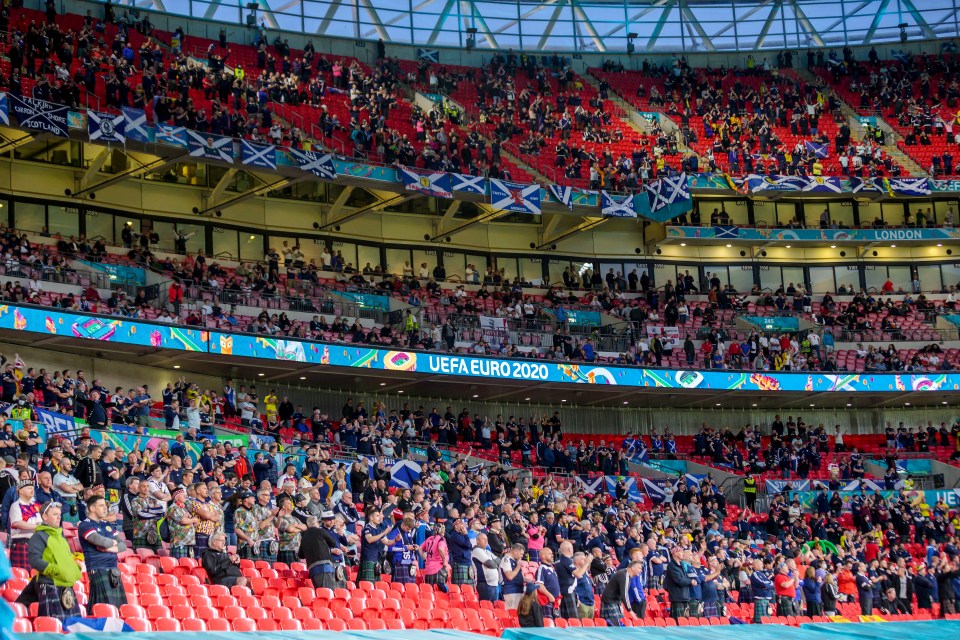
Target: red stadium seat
x: 244, y: 624
x: 193, y: 624
x: 139, y: 624
x: 167, y: 624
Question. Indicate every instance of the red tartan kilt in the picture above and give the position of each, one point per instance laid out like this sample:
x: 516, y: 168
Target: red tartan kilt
x: 19, y: 555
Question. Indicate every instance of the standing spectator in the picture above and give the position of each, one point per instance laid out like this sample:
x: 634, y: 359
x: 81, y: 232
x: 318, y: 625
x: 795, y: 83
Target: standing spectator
x: 100, y: 542
x: 24, y: 519
x: 49, y: 553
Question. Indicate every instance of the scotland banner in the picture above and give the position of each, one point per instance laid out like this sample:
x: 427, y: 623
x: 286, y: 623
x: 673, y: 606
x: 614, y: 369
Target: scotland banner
x: 404, y: 474
x: 510, y: 196
x: 210, y: 146
x: 173, y: 136
x: 668, y: 198
x: 429, y: 55
x: 820, y: 184
x: 660, y: 490
x: 630, y: 484
x: 908, y: 186
x: 564, y: 195
x: 136, y: 128
x: 755, y: 183
x: 727, y: 232
x: 106, y: 127
x: 591, y: 486
x: 468, y: 184
x: 41, y: 115
x: 4, y: 110
x: 319, y: 164
x: 436, y: 184
x: 258, y: 155
x: 816, y: 150
x: 616, y: 207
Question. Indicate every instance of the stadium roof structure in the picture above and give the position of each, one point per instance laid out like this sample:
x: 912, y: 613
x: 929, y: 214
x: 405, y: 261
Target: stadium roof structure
x: 594, y: 26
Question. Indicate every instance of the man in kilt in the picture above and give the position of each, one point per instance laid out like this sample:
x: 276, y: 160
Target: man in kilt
x: 404, y: 552
x: 549, y: 584
x: 100, y: 542
x: 289, y: 528
x: 24, y: 518
x: 146, y: 511
x: 761, y: 585
x: 678, y: 581
x: 616, y: 595
x: 246, y: 527
x: 372, y: 541
x: 567, y: 575
x: 266, y: 516
x: 183, y: 533
x: 461, y: 550
x: 50, y: 555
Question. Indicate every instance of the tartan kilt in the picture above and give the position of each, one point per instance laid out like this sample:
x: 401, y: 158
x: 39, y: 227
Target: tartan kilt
x: 265, y: 552
x: 611, y: 611
x: 19, y: 555
x: 140, y: 542
x: 286, y: 556
x: 568, y: 606
x: 103, y: 591
x: 247, y: 552
x: 50, y: 604
x: 433, y: 578
x: 403, y: 574
x: 181, y: 552
x: 710, y: 609
x: 368, y: 571
x: 761, y: 609
x: 462, y: 574
x: 548, y: 611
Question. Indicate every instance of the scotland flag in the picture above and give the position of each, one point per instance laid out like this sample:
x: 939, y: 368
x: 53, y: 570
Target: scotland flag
x: 615, y: 207
x: 818, y: 150
x: 728, y: 232
x: 106, y: 127
x: 319, y: 164
x: 564, y: 195
x: 429, y: 183
x: 210, y: 146
x: 510, y: 196
x: 468, y: 184
x: 630, y: 484
x: 258, y: 155
x: 591, y: 486
x: 135, y: 127
x: 171, y: 135
x: 4, y: 110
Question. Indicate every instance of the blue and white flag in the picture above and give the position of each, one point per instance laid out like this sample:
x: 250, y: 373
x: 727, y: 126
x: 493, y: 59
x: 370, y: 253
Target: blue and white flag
x: 900, y: 56
x: 779, y: 486
x: 660, y: 490
x: 726, y: 232
x: 669, y: 197
x: 41, y: 115
x: 106, y: 127
x: 404, y: 473
x: 909, y: 186
x: 171, y: 135
x: 564, y: 195
x: 693, y: 480
x: 616, y: 206
x: 210, y: 146
x: 76, y: 624
x: 633, y: 493
x: 431, y: 183
x: 591, y: 486
x: 823, y: 184
x: 816, y: 149
x: 136, y: 128
x: 468, y: 184
x: 319, y: 164
x: 511, y: 196
x: 258, y: 155
x: 429, y: 55
x: 4, y: 110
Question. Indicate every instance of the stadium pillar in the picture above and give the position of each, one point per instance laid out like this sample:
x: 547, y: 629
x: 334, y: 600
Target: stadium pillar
x: 751, y: 216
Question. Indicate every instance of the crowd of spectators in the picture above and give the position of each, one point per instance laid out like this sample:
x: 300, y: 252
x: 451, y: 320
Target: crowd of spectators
x: 541, y: 548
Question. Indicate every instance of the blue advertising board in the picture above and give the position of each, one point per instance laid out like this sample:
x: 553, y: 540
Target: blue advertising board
x: 933, y: 234
x: 121, y: 330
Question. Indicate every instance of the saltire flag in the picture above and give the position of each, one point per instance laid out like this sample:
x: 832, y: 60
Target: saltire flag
x: 511, y: 196
x: 659, y: 490
x: 869, y: 485
x: 591, y: 486
x: 821, y: 184
x: 77, y: 624
x: 106, y: 127
x: 319, y: 164
x: 430, y: 55
x: 862, y: 185
x: 465, y: 183
x: 40, y: 115
x: 404, y: 474
x: 726, y: 231
x: 633, y: 493
x: 900, y: 56
x: 258, y: 155
x: 563, y: 195
x: 210, y: 146
x: 908, y: 186
x: 616, y: 207
x: 136, y: 128
x: 436, y: 184
x: 816, y: 149
x: 669, y: 197
x: 693, y: 480
x: 171, y: 135
x: 641, y: 454
x: 4, y: 110
x: 779, y: 486
x: 757, y: 182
